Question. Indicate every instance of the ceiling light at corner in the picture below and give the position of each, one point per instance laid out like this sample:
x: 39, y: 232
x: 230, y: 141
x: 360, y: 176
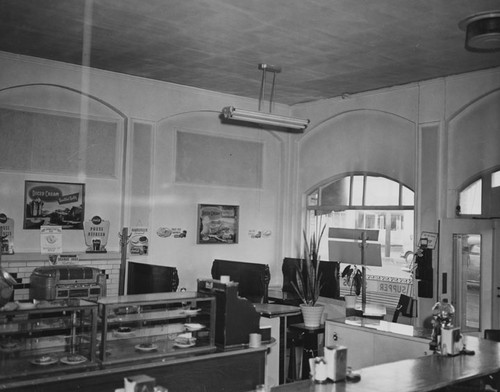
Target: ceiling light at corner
x: 232, y: 113
x: 482, y: 31
x: 265, y: 118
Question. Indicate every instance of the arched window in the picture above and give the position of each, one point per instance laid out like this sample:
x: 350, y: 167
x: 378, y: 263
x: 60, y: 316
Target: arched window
x: 369, y: 201
x: 481, y: 196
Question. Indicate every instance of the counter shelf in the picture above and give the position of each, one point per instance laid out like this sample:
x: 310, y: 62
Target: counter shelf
x: 47, y: 338
x: 147, y: 327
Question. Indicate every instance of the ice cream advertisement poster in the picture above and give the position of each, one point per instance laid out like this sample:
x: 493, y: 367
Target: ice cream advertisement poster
x: 53, y: 204
x: 217, y: 224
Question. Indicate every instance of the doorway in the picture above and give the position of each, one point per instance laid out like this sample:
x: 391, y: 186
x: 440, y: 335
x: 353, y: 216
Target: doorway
x: 468, y: 273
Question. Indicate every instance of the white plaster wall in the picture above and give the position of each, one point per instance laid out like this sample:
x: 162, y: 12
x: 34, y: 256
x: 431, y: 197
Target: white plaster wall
x: 374, y: 131
x: 167, y: 107
x: 175, y: 204
x: 473, y: 143
x: 360, y: 140
x: 379, y: 131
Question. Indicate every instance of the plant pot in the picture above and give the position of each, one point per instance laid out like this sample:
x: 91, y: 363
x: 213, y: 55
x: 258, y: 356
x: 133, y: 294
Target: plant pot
x: 350, y: 301
x: 312, y: 314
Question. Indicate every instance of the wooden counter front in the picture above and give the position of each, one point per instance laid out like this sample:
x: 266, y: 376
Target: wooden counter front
x: 429, y: 373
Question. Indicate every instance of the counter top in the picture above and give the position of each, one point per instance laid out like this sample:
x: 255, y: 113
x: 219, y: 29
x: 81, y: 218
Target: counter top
x: 276, y: 310
x: 424, y: 374
x: 82, y: 256
x: 385, y: 326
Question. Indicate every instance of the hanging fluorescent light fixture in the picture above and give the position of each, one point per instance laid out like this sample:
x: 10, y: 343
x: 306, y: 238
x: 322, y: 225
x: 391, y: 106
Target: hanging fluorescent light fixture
x: 264, y: 118
x: 230, y: 112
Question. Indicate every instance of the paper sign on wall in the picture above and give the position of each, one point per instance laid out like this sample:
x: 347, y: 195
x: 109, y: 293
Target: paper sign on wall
x: 6, y: 234
x: 139, y: 241
x: 51, y: 239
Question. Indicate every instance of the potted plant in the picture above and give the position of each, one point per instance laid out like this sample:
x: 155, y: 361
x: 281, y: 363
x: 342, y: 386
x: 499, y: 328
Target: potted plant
x: 308, y: 280
x: 353, y: 278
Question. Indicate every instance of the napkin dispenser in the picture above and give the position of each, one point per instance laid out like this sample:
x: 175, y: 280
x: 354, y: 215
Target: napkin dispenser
x: 336, y: 362
x: 139, y: 383
x: 451, y: 339
x: 333, y: 365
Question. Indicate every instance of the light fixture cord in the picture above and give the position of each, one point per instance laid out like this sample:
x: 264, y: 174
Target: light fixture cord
x: 272, y: 93
x: 262, y: 83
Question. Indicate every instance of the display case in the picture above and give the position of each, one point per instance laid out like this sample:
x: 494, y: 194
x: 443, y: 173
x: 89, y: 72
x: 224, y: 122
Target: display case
x: 45, y: 337
x: 145, y: 327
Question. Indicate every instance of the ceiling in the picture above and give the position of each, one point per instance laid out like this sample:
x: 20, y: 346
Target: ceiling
x: 326, y: 48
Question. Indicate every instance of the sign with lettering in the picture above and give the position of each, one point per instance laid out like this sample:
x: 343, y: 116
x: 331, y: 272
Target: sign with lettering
x: 51, y: 239
x: 53, y: 204
x: 6, y: 234
x: 139, y: 241
x: 96, y: 233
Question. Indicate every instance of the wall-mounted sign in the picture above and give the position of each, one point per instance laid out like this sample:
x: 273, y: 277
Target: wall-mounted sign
x: 139, y: 241
x: 51, y: 239
x: 53, y: 204
x: 258, y: 234
x: 174, y: 232
x: 96, y: 233
x: 67, y: 259
x: 217, y: 224
x: 428, y: 240
x: 6, y: 234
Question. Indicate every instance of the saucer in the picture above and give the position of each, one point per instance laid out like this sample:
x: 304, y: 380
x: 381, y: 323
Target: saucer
x: 123, y: 334
x: 194, y: 326
x: 184, y: 345
x: 146, y: 347
x: 191, y: 312
x: 73, y: 359
x: 44, y: 360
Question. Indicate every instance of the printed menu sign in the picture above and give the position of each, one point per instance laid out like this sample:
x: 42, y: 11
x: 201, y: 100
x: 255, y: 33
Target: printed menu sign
x: 139, y: 241
x: 51, y: 239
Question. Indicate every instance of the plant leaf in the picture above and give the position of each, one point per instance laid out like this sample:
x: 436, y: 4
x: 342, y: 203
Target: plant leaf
x: 347, y: 271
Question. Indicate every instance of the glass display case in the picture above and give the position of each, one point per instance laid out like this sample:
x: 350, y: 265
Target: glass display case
x: 43, y: 337
x: 145, y: 327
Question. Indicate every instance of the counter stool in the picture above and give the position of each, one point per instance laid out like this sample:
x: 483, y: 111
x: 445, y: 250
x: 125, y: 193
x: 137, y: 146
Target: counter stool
x: 310, y: 335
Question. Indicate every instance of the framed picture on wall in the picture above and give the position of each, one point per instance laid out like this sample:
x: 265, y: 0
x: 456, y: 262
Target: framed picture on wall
x: 53, y: 204
x: 217, y: 224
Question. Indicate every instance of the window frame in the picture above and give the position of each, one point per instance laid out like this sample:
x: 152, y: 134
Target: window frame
x: 486, y: 194
x: 314, y: 209
x: 363, y: 206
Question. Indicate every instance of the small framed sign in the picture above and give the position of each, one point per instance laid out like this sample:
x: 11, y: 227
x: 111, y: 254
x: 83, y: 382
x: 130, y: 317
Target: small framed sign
x: 217, y: 224
x: 428, y: 240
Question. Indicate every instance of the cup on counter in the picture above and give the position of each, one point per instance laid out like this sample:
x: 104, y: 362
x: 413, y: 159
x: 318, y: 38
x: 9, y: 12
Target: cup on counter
x: 225, y: 278
x: 255, y: 340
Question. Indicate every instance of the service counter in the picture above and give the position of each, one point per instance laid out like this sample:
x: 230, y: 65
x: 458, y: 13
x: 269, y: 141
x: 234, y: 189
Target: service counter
x: 182, y: 339
x: 235, y: 370
x: 428, y: 373
x: 373, y: 342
